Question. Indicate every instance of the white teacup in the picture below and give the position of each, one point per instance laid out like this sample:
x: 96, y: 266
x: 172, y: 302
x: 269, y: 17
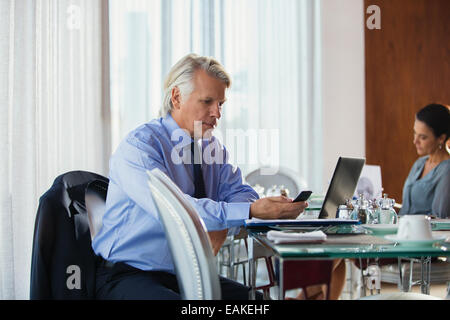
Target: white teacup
x: 414, y: 227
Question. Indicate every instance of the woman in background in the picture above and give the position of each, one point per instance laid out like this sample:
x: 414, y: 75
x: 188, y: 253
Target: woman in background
x: 427, y: 188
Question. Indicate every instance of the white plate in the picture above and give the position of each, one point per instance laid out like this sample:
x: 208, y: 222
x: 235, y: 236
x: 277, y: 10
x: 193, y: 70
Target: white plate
x: 413, y: 242
x: 381, y: 228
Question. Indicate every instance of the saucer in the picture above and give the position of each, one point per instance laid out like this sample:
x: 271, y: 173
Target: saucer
x: 381, y: 228
x: 415, y: 242
x: 440, y: 224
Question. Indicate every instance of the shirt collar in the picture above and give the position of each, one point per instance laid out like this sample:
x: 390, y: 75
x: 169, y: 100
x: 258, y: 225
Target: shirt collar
x: 179, y: 137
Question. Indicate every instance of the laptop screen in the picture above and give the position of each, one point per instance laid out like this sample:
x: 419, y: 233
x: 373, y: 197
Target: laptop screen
x: 342, y: 185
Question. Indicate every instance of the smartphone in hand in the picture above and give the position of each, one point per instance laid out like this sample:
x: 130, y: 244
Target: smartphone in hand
x: 303, y: 196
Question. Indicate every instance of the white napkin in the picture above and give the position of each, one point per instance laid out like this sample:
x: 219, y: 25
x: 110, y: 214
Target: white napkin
x: 296, y: 237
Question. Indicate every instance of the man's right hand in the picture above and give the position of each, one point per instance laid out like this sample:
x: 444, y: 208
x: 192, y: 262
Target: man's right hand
x: 276, y: 208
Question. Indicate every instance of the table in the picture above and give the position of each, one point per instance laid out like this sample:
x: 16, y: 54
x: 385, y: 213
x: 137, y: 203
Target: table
x: 346, y: 247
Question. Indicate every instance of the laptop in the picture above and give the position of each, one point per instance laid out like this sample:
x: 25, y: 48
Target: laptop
x: 342, y: 186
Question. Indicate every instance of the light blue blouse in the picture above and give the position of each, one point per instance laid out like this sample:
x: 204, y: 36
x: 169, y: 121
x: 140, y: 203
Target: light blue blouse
x: 429, y: 195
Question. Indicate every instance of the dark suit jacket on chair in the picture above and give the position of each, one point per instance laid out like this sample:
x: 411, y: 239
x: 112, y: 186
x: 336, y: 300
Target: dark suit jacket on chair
x: 63, y: 262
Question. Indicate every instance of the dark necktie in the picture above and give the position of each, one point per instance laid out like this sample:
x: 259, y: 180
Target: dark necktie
x: 199, y: 184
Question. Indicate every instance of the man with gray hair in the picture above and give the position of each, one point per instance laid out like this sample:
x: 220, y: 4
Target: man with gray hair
x: 134, y: 253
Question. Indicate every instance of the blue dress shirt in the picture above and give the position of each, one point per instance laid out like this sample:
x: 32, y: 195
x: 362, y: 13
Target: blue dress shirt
x: 430, y: 194
x: 131, y: 231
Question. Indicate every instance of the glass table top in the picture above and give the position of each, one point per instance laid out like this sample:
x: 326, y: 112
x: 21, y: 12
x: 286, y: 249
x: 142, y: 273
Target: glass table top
x: 359, y: 245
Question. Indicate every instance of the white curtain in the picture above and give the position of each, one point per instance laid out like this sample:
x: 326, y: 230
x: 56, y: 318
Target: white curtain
x: 54, y: 116
x: 271, y: 48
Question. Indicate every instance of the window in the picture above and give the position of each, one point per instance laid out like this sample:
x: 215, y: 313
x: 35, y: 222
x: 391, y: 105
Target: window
x: 271, y: 50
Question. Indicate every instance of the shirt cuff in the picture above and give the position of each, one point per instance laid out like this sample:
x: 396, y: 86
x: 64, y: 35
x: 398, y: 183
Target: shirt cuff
x: 237, y: 213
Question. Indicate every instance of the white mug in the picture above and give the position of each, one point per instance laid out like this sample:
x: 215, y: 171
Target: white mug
x: 414, y: 227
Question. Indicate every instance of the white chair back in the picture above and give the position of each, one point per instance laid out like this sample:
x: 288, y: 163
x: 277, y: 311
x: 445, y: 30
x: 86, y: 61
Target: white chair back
x: 283, y: 176
x: 188, y: 241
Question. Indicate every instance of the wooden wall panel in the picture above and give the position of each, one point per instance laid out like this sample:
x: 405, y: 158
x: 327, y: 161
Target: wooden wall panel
x: 407, y: 67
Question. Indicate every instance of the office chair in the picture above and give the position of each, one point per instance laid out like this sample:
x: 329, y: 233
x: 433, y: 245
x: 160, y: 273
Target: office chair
x: 188, y: 241
x: 63, y: 262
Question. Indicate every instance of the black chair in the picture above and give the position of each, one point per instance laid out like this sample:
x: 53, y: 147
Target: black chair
x: 63, y: 262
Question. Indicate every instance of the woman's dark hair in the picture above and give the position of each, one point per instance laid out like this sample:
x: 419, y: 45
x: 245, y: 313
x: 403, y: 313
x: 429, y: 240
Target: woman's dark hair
x: 437, y: 117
